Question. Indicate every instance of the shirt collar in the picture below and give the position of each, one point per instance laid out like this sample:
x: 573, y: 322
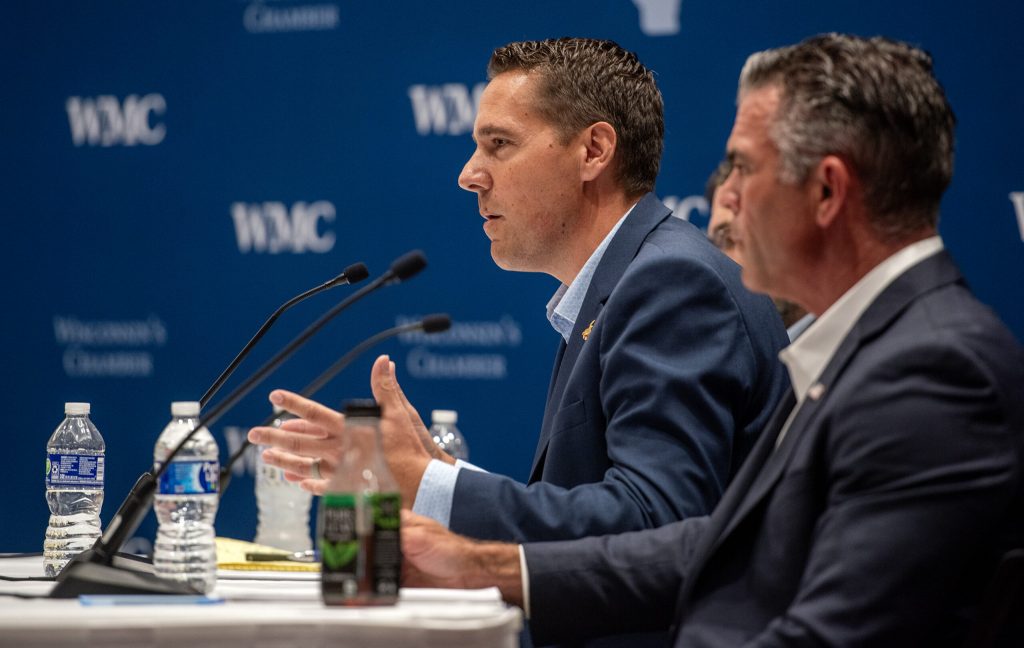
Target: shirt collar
x: 797, y: 328
x: 810, y: 353
x: 564, y: 306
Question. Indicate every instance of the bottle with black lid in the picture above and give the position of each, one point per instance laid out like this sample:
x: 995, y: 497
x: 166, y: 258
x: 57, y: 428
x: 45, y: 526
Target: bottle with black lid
x: 359, y: 521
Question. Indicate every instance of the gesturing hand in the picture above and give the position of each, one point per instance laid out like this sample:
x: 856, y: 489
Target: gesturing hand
x: 402, y: 430
x: 308, y: 448
x: 390, y: 396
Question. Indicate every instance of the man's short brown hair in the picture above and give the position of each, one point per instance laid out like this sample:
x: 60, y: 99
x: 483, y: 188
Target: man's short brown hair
x: 585, y: 81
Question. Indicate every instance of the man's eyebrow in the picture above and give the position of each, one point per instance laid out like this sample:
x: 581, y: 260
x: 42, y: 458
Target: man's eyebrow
x: 488, y: 131
x: 734, y: 156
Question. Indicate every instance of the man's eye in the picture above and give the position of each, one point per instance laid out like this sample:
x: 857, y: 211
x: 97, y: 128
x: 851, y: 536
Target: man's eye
x: 499, y: 142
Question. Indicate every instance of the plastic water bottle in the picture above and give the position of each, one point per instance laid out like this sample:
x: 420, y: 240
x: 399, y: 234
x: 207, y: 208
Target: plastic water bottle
x: 74, y: 487
x: 446, y: 435
x: 282, y: 506
x: 186, y: 502
x: 360, y: 522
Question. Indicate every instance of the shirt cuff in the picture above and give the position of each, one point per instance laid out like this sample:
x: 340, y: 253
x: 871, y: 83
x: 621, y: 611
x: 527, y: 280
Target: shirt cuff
x: 525, y: 574
x: 436, y: 492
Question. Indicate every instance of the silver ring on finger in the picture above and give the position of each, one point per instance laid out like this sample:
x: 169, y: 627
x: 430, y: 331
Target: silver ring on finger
x: 314, y: 469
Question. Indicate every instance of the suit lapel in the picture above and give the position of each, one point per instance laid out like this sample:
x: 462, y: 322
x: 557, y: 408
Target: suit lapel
x: 777, y: 460
x: 617, y: 256
x: 549, y: 408
x: 734, y: 496
x: 929, y: 274
x: 755, y: 482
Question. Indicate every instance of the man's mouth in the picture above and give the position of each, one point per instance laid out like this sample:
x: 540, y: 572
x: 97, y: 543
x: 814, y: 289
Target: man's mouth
x: 489, y: 220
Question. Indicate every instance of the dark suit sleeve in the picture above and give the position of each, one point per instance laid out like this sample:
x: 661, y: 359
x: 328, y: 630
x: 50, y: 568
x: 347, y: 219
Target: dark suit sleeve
x: 608, y: 585
x: 677, y: 369
x: 922, y: 462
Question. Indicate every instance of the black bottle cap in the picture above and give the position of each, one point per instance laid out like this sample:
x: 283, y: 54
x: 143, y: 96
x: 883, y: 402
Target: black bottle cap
x: 362, y: 407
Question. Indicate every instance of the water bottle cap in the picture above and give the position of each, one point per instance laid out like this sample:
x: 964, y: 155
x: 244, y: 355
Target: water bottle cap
x: 76, y: 409
x: 446, y: 417
x: 185, y: 409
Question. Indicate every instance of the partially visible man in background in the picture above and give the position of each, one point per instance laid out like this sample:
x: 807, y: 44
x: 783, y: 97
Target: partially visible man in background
x: 722, y: 205
x: 720, y: 221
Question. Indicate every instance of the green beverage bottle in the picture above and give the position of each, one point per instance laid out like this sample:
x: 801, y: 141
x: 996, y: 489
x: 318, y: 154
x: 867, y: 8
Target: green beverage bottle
x: 360, y: 547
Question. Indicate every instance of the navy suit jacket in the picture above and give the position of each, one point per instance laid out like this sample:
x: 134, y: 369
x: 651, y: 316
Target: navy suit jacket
x: 649, y: 417
x: 877, y: 520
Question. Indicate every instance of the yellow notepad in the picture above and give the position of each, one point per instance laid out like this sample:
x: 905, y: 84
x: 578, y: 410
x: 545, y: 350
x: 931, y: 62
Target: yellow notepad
x: 231, y: 555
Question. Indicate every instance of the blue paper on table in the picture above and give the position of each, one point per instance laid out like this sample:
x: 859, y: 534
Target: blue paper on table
x: 148, y: 599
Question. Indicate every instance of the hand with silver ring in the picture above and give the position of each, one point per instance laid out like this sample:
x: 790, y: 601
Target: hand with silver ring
x: 308, y: 448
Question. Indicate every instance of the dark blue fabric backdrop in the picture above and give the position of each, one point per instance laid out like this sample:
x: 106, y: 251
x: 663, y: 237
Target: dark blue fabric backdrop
x: 173, y: 171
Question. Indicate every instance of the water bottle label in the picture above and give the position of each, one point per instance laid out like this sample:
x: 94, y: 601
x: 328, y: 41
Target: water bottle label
x: 272, y: 474
x: 190, y: 478
x: 74, y: 470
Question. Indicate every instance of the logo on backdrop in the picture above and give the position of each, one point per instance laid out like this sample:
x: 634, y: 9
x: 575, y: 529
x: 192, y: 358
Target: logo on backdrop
x: 459, y: 352
x: 687, y: 207
x: 108, y: 121
x: 273, y: 228
x: 659, y: 17
x: 264, y: 18
x: 108, y: 348
x: 447, y: 109
x: 1017, y: 198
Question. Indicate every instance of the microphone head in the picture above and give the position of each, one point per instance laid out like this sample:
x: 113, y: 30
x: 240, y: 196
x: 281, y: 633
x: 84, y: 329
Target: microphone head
x: 355, y: 273
x: 436, y: 323
x: 408, y: 265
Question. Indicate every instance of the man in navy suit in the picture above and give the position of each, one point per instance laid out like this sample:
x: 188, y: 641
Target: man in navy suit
x: 667, y: 368
x: 874, y: 507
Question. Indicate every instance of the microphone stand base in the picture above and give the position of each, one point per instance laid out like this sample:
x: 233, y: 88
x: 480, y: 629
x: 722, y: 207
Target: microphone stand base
x: 88, y: 574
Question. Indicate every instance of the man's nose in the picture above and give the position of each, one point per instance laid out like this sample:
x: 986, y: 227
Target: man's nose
x: 727, y: 194
x: 474, y: 177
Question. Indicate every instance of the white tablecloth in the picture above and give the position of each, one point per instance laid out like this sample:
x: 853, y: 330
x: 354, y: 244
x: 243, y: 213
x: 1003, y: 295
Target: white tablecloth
x: 262, y: 610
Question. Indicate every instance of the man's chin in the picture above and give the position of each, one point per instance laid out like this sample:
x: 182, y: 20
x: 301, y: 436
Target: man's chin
x: 499, y: 259
x: 508, y: 262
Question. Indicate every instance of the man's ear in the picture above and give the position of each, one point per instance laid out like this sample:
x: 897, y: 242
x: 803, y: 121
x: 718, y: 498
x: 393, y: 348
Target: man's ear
x: 830, y: 189
x: 598, y: 141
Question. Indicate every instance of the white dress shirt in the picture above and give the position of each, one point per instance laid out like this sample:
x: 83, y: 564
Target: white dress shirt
x: 810, y: 353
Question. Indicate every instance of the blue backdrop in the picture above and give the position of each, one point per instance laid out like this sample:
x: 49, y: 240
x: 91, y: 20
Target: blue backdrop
x: 173, y: 171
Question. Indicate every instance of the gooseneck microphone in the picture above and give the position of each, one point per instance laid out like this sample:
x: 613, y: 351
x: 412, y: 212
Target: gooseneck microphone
x: 350, y: 275
x: 430, y: 324
x: 92, y: 572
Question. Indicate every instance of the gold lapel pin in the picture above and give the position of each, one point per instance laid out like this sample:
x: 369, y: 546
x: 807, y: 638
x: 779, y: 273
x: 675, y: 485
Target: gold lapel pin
x: 586, y: 331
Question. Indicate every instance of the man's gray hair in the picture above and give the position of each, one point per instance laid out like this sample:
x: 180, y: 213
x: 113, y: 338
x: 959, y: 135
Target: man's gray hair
x: 876, y: 104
